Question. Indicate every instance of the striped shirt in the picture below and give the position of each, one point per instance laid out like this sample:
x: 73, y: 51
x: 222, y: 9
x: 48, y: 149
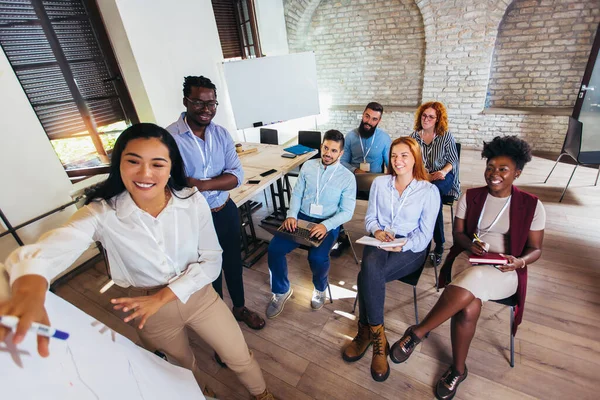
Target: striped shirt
x: 441, y: 151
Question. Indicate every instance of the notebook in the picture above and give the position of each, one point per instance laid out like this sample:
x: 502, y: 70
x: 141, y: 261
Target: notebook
x: 371, y: 241
x: 298, y: 149
x: 488, y: 258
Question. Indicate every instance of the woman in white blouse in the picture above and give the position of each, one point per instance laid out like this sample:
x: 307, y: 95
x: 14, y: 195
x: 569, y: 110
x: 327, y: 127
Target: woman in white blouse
x: 161, y: 244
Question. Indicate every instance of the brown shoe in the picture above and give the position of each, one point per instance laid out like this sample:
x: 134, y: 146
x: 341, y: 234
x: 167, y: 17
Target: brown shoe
x: 448, y: 383
x: 252, y: 319
x: 404, y: 347
x: 380, y: 369
x: 266, y: 395
x: 360, y: 344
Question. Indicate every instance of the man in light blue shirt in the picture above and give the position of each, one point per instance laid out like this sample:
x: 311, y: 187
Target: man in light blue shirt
x: 213, y: 166
x: 324, y: 194
x: 367, y: 147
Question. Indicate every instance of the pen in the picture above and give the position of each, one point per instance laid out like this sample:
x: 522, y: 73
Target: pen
x: 477, y: 238
x: 11, y: 321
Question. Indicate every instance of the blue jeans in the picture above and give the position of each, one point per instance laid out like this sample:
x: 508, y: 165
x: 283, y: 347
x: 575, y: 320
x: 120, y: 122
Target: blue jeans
x: 318, y: 259
x: 377, y: 268
x: 444, y: 186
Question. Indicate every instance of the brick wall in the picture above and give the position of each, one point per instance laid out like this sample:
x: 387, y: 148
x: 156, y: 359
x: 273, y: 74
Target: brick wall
x: 460, y: 38
x: 541, y: 52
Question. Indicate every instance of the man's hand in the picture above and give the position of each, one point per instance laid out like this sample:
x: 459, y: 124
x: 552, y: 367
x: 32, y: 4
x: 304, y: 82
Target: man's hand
x: 144, y: 306
x: 359, y: 171
x: 200, y: 184
x: 438, y: 175
x: 318, y: 231
x: 290, y: 224
x: 383, y: 236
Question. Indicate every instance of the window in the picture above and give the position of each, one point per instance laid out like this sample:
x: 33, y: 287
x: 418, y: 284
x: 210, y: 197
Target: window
x: 61, y: 55
x: 236, y: 23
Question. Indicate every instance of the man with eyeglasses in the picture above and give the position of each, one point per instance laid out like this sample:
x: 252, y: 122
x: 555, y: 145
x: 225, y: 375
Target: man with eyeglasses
x: 367, y: 150
x: 213, y: 166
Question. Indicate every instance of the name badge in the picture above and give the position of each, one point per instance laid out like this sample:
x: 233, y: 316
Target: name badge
x: 365, y: 166
x: 316, y: 209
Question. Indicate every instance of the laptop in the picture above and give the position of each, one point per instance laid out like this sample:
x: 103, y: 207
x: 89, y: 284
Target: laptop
x: 300, y: 236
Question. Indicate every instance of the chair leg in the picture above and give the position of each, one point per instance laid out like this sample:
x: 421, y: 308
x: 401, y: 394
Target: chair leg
x: 437, y: 287
x: 512, y: 337
x: 564, y: 191
x: 352, y: 247
x: 330, y: 296
x: 598, y: 174
x: 555, y: 164
x: 415, y: 301
x: 452, y: 215
x: 355, y: 301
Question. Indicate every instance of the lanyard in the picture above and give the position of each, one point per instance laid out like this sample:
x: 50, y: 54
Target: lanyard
x: 325, y: 184
x: 489, y: 228
x: 158, y: 246
x: 363, y: 149
x: 205, y: 161
x: 404, y: 197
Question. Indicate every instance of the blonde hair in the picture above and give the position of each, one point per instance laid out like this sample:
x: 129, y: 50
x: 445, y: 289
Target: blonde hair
x: 419, y: 171
x: 441, y: 122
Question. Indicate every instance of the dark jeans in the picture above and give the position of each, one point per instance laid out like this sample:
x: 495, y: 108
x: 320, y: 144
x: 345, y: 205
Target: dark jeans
x: 227, y: 225
x: 377, y: 268
x: 444, y: 186
x: 318, y: 259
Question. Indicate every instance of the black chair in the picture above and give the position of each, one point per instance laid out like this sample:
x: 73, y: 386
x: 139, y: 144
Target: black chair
x: 269, y: 136
x: 311, y: 139
x: 572, y: 148
x: 412, y: 280
x: 512, y: 303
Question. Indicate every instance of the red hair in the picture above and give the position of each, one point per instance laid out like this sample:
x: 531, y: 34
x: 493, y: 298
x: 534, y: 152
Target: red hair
x: 441, y: 123
x: 419, y: 171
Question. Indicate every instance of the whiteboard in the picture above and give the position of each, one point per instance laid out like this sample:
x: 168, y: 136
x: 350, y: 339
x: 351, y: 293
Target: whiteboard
x: 95, y: 363
x: 272, y: 89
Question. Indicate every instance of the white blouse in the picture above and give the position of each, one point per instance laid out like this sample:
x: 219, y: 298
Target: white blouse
x: 179, y: 247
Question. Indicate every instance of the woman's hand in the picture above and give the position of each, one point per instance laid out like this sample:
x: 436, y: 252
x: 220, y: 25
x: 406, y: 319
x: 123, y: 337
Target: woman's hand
x: 27, y: 303
x: 478, y: 248
x: 396, y: 249
x: 513, y: 263
x: 383, y: 236
x: 144, y: 306
x: 438, y: 175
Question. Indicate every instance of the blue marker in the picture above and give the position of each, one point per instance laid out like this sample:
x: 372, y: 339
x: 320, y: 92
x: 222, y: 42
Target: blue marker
x: 10, y: 321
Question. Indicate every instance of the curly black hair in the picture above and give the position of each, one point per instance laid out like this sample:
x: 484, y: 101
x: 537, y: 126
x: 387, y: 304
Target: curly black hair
x: 198, y: 81
x: 511, y: 146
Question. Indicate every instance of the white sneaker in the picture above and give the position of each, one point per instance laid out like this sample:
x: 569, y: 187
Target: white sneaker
x: 277, y: 303
x: 318, y: 299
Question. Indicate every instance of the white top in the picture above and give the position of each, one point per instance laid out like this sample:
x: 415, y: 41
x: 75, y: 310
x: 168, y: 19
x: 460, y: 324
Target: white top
x: 179, y: 247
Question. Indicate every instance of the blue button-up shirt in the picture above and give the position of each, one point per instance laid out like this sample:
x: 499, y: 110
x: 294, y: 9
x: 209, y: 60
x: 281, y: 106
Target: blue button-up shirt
x: 414, y: 212
x: 337, y: 193
x: 377, y: 148
x: 208, y: 158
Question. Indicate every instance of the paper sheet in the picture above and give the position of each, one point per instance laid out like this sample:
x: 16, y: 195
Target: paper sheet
x: 94, y: 363
x: 371, y: 241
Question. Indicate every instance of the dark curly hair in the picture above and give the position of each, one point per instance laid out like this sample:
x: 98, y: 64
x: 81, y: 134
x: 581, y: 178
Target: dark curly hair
x: 511, y: 146
x: 197, y: 81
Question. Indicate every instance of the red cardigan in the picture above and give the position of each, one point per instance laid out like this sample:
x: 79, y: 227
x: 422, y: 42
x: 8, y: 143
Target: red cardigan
x: 522, y: 209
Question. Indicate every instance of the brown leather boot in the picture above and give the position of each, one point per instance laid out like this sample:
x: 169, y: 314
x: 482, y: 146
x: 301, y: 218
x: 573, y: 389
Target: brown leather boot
x: 360, y: 344
x: 266, y: 395
x: 380, y: 369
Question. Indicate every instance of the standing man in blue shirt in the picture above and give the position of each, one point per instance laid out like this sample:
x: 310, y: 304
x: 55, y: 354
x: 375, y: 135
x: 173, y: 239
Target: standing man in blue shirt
x: 367, y: 147
x: 213, y: 166
x: 324, y: 194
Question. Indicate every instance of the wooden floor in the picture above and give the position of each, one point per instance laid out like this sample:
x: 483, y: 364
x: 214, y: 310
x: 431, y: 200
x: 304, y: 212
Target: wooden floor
x: 557, y: 345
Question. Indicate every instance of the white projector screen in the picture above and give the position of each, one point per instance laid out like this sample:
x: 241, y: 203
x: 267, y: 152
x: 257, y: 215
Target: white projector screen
x: 272, y: 89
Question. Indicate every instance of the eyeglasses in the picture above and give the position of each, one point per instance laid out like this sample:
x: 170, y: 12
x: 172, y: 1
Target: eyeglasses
x: 426, y: 116
x: 199, y: 104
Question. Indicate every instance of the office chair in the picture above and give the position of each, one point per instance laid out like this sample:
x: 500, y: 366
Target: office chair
x: 411, y: 279
x: 512, y: 303
x: 311, y: 139
x: 269, y: 136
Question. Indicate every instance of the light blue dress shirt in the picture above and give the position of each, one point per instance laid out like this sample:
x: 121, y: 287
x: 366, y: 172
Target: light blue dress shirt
x: 377, y: 148
x: 337, y: 188
x: 414, y: 212
x: 208, y: 158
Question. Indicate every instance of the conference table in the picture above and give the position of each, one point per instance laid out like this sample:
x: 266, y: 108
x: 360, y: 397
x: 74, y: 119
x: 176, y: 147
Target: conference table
x: 254, y: 163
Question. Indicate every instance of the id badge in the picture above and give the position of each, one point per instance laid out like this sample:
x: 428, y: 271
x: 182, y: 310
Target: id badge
x: 316, y: 209
x: 365, y: 166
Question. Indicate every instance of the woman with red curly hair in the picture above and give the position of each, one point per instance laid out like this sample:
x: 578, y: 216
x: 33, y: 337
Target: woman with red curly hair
x: 440, y: 156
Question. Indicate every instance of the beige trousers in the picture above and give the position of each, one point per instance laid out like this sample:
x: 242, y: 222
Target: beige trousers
x: 207, y: 315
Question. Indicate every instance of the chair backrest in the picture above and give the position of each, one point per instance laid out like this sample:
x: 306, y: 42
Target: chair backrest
x: 458, y: 147
x: 572, y: 144
x: 364, y: 181
x: 269, y: 136
x: 311, y: 139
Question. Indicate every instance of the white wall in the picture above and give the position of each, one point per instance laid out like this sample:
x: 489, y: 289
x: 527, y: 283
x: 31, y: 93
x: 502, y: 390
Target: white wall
x: 32, y: 178
x: 169, y: 41
x: 271, y: 27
